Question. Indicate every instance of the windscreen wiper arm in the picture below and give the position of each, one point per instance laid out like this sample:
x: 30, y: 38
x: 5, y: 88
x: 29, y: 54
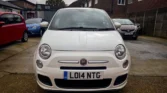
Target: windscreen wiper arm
x: 104, y: 29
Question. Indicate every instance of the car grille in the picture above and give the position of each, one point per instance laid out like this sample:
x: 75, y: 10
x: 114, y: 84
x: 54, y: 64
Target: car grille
x: 45, y: 80
x: 127, y: 30
x: 83, y: 68
x: 82, y: 84
x: 120, y: 79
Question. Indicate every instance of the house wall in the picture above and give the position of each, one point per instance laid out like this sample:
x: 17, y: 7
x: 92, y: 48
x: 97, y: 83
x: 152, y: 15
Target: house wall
x: 145, y: 5
x: 28, y: 8
x: 24, y: 4
x: 119, y: 10
x: 111, y: 7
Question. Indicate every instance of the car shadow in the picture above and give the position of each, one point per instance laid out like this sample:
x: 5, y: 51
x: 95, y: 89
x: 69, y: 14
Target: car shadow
x: 113, y: 91
x: 32, y: 36
x: 9, y: 44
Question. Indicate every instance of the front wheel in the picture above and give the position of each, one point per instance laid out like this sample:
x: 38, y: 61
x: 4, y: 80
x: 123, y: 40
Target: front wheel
x: 135, y: 36
x: 25, y: 37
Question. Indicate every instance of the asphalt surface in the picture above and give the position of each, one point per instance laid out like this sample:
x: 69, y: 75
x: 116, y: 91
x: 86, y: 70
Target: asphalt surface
x: 147, y: 75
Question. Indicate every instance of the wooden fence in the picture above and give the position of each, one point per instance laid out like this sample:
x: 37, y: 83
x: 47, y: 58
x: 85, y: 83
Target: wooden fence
x: 153, y: 22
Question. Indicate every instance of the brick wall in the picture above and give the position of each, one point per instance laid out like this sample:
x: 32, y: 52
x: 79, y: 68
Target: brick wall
x: 119, y: 10
x: 145, y: 5
x: 111, y: 7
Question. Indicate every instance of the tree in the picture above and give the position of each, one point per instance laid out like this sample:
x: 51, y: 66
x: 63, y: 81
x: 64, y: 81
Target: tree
x: 79, y: 3
x: 58, y: 3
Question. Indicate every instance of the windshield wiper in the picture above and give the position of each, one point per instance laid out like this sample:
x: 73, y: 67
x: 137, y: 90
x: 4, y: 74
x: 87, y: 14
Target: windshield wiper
x: 105, y: 29
x: 74, y: 28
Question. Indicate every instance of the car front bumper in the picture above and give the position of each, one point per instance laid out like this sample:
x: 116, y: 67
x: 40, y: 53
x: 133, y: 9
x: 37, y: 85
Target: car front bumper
x: 128, y: 34
x: 50, y: 76
x: 33, y: 31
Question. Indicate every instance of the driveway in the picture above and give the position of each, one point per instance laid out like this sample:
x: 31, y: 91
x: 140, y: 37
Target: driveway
x: 147, y: 74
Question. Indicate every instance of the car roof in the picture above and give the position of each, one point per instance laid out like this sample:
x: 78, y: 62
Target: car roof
x: 35, y: 18
x: 1, y: 12
x: 8, y: 13
x: 78, y: 8
x: 121, y: 18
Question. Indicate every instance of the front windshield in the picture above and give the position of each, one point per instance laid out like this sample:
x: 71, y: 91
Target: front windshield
x: 81, y: 18
x: 123, y: 21
x: 33, y: 21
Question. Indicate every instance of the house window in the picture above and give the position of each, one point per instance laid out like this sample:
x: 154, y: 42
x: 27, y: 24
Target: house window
x: 130, y: 1
x: 96, y: 1
x: 121, y: 2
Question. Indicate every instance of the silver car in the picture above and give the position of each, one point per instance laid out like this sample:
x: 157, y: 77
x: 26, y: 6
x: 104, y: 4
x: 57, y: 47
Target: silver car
x: 128, y: 28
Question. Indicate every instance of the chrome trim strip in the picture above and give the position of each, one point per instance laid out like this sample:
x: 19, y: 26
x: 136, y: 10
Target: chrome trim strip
x: 94, y: 61
x: 74, y: 62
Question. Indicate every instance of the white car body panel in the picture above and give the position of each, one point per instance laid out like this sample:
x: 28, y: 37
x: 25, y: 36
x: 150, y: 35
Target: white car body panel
x: 82, y: 40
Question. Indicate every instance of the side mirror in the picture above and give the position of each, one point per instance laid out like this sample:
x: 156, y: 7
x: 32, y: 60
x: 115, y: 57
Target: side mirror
x: 117, y: 25
x: 44, y: 24
x: 2, y: 23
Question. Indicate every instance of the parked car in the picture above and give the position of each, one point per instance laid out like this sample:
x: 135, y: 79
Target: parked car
x: 81, y: 51
x: 34, y: 27
x: 12, y: 28
x: 138, y: 26
x: 128, y: 28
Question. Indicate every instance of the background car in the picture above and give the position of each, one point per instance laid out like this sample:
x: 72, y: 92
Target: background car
x: 128, y: 28
x: 34, y: 27
x: 12, y: 28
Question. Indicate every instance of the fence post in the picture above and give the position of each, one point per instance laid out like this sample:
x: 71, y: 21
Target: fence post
x: 135, y: 17
x: 162, y: 25
x: 144, y: 21
x: 155, y: 22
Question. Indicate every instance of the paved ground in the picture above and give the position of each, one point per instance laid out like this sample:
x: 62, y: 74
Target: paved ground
x: 147, y: 75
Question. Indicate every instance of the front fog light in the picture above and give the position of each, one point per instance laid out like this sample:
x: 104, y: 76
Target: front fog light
x: 125, y: 64
x: 39, y: 63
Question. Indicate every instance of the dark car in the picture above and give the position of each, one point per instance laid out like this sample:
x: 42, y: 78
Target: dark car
x: 128, y: 28
x: 34, y: 27
x: 12, y: 28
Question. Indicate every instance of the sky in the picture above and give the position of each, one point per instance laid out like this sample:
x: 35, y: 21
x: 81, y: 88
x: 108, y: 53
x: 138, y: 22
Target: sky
x: 43, y: 1
x: 69, y: 1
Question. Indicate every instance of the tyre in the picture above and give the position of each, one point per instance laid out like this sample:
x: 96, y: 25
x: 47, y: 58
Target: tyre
x: 25, y: 37
x: 135, y: 38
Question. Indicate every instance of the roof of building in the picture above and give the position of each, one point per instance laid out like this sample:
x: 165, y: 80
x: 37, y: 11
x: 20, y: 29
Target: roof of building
x: 8, y: 13
x: 5, y: 3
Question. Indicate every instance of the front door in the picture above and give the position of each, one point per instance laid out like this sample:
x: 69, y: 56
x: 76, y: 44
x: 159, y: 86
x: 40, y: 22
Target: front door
x: 19, y: 27
x: 6, y: 31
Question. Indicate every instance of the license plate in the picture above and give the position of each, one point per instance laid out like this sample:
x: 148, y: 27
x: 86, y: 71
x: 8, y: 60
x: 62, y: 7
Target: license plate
x: 128, y: 33
x: 82, y: 75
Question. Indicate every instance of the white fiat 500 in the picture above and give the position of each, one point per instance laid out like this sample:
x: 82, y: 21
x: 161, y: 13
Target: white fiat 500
x: 81, y: 51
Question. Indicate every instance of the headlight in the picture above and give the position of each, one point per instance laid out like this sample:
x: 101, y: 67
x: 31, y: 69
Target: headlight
x: 34, y: 27
x: 120, y: 52
x: 45, y: 51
